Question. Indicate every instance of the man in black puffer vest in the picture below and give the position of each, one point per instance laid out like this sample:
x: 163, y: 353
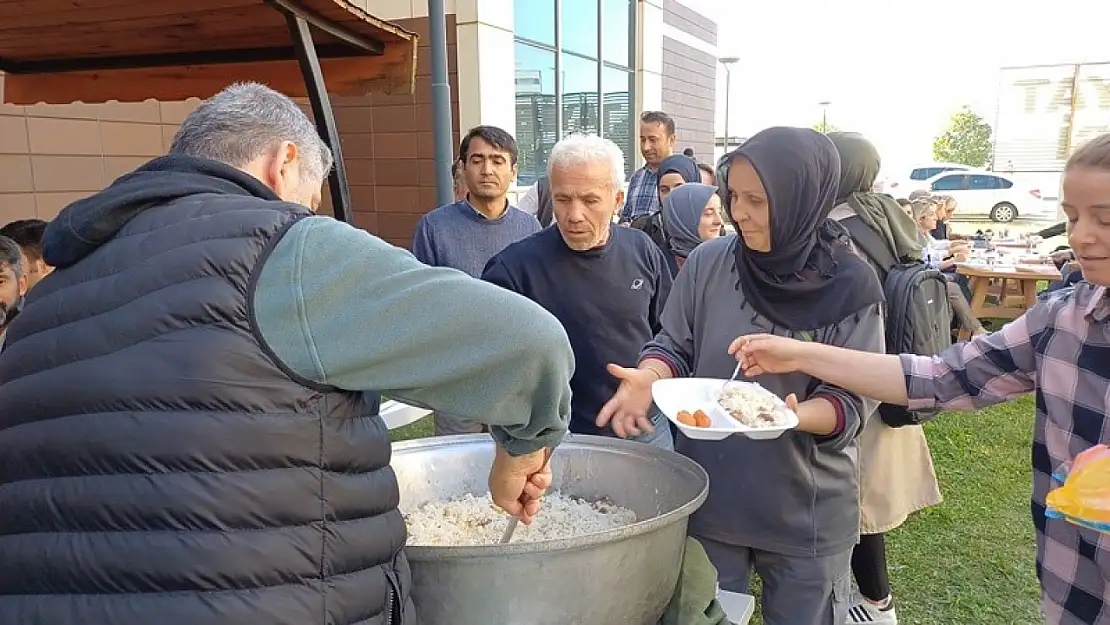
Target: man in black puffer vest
x: 188, y: 409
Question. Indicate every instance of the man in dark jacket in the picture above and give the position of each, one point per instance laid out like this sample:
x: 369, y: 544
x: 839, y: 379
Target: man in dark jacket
x: 27, y: 234
x: 188, y: 423
x: 13, y: 284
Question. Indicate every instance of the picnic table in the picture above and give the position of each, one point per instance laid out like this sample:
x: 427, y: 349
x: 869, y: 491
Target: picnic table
x: 1017, y: 288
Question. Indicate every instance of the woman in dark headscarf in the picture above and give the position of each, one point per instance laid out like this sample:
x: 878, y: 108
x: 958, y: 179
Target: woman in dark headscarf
x: 691, y: 214
x: 896, y: 469
x: 786, y: 508
x: 708, y: 175
x: 674, y: 171
x: 859, y: 167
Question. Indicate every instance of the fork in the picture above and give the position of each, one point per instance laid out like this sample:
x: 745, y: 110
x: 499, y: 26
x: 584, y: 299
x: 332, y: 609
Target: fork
x: 735, y: 372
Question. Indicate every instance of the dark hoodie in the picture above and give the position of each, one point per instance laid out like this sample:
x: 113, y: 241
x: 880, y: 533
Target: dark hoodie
x: 87, y: 224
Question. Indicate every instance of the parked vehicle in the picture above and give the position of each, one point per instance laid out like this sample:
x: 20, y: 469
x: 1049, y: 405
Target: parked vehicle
x: 918, y: 176
x: 994, y: 195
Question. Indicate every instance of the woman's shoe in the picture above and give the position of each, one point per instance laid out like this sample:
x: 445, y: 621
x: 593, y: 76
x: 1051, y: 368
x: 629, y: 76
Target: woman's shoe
x: 865, y: 612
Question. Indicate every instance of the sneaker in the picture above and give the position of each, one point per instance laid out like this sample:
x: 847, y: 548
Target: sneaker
x: 866, y: 612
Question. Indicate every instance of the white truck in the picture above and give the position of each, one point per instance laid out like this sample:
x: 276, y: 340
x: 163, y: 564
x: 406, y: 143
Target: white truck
x: 1044, y: 112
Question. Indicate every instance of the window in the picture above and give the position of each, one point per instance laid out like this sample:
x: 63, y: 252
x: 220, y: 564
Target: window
x: 924, y: 173
x: 950, y: 183
x: 618, y: 121
x: 616, y: 24
x: 984, y: 182
x: 592, y: 45
x: 580, y: 93
x: 536, y: 132
x: 579, y: 31
x: 534, y: 20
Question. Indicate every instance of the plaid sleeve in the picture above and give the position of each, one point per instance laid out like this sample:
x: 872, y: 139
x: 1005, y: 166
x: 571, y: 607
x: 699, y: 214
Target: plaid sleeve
x: 628, y: 211
x: 988, y: 370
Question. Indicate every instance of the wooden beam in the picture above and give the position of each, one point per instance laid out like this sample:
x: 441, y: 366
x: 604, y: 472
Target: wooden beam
x: 393, y: 72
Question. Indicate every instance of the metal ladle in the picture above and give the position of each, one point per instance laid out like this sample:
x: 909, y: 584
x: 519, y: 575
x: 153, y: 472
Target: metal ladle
x: 514, y: 521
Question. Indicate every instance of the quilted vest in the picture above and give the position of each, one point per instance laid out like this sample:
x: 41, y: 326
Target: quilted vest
x: 158, y: 465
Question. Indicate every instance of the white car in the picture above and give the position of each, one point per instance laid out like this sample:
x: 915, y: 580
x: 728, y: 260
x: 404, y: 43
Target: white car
x: 988, y: 193
x: 918, y: 177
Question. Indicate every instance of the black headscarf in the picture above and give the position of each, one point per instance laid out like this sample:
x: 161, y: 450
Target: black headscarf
x: 682, y: 165
x: 811, y: 278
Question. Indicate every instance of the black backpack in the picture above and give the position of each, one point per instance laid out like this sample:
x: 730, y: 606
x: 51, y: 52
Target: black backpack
x: 652, y: 225
x: 918, y: 315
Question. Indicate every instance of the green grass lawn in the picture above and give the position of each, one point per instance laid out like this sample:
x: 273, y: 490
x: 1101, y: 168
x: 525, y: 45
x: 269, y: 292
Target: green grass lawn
x: 419, y: 429
x: 970, y: 559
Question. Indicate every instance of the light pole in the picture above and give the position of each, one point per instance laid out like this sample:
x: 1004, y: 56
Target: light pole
x: 727, y: 62
x: 824, y: 115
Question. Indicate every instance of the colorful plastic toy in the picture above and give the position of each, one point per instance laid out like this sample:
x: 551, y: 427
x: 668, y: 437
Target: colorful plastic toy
x: 1084, y: 497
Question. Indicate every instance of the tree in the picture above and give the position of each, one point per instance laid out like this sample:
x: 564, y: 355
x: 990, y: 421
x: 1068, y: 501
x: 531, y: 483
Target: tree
x: 967, y: 140
x: 824, y: 127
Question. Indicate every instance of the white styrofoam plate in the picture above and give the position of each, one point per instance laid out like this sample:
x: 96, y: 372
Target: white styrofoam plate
x: 691, y: 394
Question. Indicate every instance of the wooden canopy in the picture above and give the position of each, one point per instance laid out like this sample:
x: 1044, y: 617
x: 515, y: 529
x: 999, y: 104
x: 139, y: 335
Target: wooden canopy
x: 62, y: 51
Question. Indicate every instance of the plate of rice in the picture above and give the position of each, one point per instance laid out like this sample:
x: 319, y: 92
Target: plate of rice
x: 710, y: 409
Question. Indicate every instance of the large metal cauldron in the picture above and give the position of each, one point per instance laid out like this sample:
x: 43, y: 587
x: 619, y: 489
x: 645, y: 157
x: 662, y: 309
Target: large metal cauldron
x: 623, y: 576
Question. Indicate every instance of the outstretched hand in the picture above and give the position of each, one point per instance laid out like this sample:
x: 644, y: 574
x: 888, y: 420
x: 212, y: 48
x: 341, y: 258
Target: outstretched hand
x: 766, y: 353
x: 627, y: 411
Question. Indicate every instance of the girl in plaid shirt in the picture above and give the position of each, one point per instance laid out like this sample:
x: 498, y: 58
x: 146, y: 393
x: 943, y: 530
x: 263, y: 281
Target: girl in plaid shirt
x: 1060, y: 350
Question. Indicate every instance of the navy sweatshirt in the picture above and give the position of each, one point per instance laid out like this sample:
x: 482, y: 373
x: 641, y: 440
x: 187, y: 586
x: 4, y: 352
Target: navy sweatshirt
x: 608, y: 299
x: 457, y: 236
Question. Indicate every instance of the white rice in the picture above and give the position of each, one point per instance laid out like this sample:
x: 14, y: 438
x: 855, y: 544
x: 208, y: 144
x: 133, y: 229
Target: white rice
x: 474, y: 520
x: 751, y: 406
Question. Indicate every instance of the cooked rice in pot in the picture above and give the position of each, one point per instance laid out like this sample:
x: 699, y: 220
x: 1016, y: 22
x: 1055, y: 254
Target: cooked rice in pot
x: 474, y: 520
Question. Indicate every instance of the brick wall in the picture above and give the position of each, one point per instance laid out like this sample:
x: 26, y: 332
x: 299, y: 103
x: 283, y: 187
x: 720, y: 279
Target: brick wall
x: 690, y: 79
x: 388, y: 146
x: 51, y: 155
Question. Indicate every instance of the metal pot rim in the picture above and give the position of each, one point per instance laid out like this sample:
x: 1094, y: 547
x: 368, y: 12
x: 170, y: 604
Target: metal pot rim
x: 676, y: 461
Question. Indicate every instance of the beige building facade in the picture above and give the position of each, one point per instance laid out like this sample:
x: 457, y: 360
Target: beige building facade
x: 502, y: 72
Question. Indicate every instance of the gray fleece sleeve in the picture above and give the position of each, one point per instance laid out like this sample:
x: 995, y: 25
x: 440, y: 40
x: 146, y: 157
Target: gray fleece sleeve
x: 674, y: 342
x: 341, y: 307
x: 863, y: 331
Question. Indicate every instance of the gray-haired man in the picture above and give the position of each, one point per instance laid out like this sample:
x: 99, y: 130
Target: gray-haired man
x: 197, y: 361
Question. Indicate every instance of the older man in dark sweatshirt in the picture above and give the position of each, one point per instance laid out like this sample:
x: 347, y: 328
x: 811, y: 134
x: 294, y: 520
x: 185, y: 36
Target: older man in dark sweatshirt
x: 464, y: 235
x: 606, y: 284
